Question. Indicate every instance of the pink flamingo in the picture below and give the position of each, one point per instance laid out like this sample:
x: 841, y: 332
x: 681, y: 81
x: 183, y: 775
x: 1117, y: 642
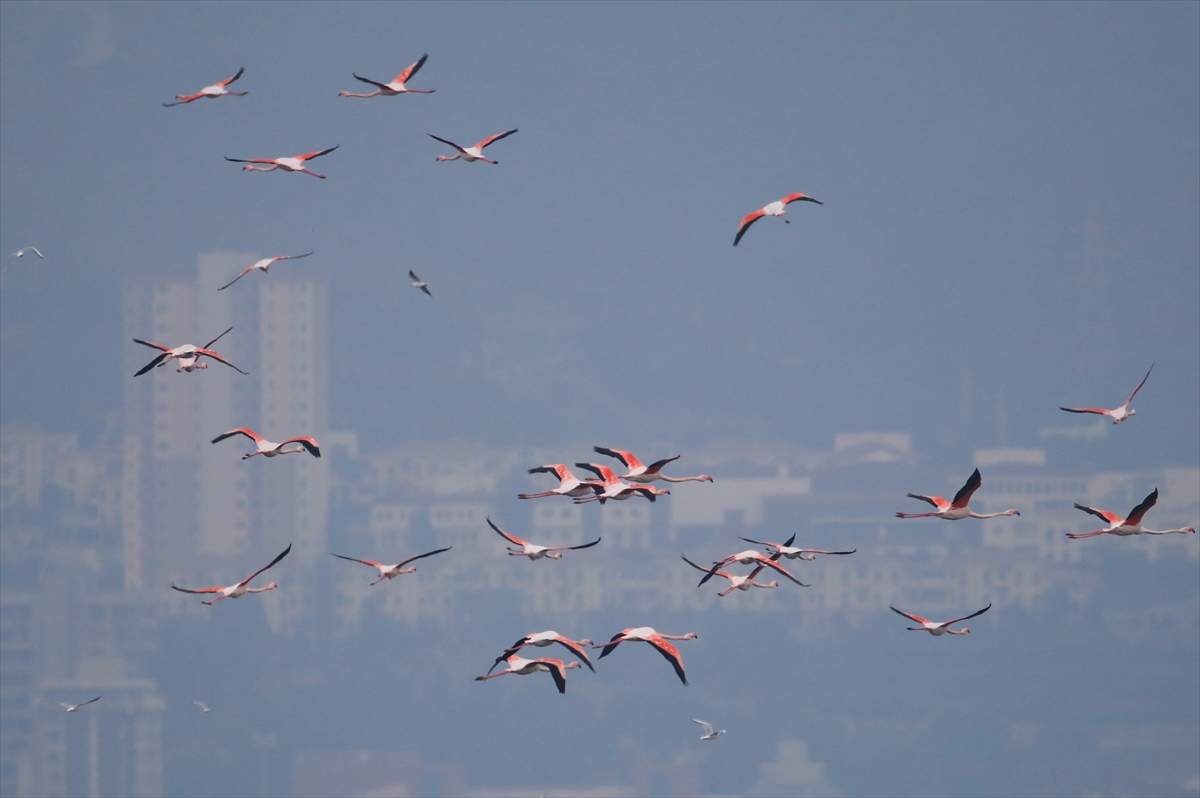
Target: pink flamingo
x: 295, y: 164
x: 1121, y: 413
x: 264, y: 265
x: 534, y: 551
x: 735, y: 582
x: 938, y: 629
x: 568, y: 483
x: 213, y: 91
x: 792, y: 553
x: 645, y: 634
x: 188, y: 356
x: 611, y: 487
x: 396, y: 86
x: 524, y: 667
x: 270, y: 448
x: 543, y: 639
x: 748, y: 557
x: 774, y: 209
x: 957, y: 509
x: 241, y: 588
x: 1132, y: 525
x: 472, y: 153
x: 638, y: 472
x: 392, y: 571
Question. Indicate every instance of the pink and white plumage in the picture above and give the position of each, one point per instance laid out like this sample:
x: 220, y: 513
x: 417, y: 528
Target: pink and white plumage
x: 568, y: 483
x: 532, y: 550
x: 938, y: 629
x: 647, y: 634
x: 523, y: 667
x: 1131, y: 525
x: 612, y: 487
x: 645, y: 474
x: 748, y: 557
x: 735, y: 582
x: 291, y: 164
x: 392, y: 571
x: 475, y: 153
x: 188, y: 356
x: 394, y: 87
x: 1118, y: 414
x: 955, y: 510
x: 270, y: 448
x: 791, y: 552
x: 773, y: 209
x: 543, y: 639
x: 242, y: 587
x: 216, y: 90
x: 263, y: 265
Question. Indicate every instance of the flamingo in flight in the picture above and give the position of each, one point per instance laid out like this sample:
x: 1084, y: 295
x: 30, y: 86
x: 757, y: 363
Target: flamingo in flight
x: 748, y: 557
x: 22, y: 252
x: 791, y: 552
x: 735, y: 582
x: 524, y: 667
x: 472, y: 153
x: 568, y: 483
x: 646, y: 634
x: 396, y: 86
x: 269, y: 448
x: 75, y: 707
x: 1121, y: 413
x: 264, y: 265
x: 543, y: 639
x: 644, y: 474
x: 938, y: 629
x: 188, y: 356
x: 611, y: 486
x: 241, y: 588
x: 215, y: 90
x: 417, y: 282
x: 1132, y: 525
x: 294, y: 164
x: 957, y: 509
x: 534, y: 551
x: 774, y: 209
x: 709, y: 734
x: 392, y: 571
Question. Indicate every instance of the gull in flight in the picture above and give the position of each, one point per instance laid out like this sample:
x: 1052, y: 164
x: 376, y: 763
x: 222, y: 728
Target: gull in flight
x: 417, y: 283
x: 392, y: 571
x: 396, y: 86
x: 188, y: 356
x: 1121, y: 413
x: 20, y: 253
x: 475, y: 153
x: 774, y: 209
x: 265, y: 265
x: 241, y: 588
x: 709, y: 734
x: 75, y: 707
x: 937, y: 629
x: 215, y: 90
x: 534, y: 551
x: 294, y: 164
x: 203, y: 706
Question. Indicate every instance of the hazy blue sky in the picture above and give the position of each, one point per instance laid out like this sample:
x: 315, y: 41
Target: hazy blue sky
x: 1011, y: 222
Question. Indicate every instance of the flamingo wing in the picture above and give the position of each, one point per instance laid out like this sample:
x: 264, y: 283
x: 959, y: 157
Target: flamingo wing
x: 575, y: 649
x: 647, y: 492
x: 1140, y: 384
x: 1135, y: 515
x: 250, y: 160
x: 412, y: 70
x: 671, y: 654
x: 249, y: 433
x: 197, y: 590
x: 608, y: 647
x: 820, y: 551
x: 763, y: 543
x: 1111, y: 518
x: 181, y: 99
x: 771, y: 563
x: 310, y: 156
x: 218, y: 338
x: 572, y: 548
x: 748, y: 220
x: 371, y: 563
x: 558, y: 469
x: 152, y: 345
x: 423, y: 556
x: 963, y: 497
x: 445, y: 141
x: 790, y: 198
x: 967, y: 617
x: 269, y: 566
x: 595, y: 469
x: 655, y: 467
x: 306, y: 254
x: 789, y: 541
x: 510, y: 538
x: 714, y: 570
x: 219, y: 359
x: 497, y: 137
x: 372, y: 82
x: 156, y: 361
x: 911, y: 617
x: 1098, y: 411
x: 245, y: 271
x: 627, y: 459
x: 306, y: 442
x: 227, y: 81
x: 555, y: 666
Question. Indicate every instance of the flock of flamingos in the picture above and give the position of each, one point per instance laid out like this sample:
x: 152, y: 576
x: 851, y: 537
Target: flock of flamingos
x: 605, y: 486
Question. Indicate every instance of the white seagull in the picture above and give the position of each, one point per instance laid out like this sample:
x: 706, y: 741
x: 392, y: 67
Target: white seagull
x: 417, y: 282
x: 203, y: 706
x: 75, y: 707
x: 709, y: 734
x: 20, y: 253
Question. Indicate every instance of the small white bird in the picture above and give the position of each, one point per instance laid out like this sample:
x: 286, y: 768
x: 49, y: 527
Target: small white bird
x: 709, y: 734
x: 75, y: 707
x: 417, y: 283
x: 203, y: 706
x: 20, y: 253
